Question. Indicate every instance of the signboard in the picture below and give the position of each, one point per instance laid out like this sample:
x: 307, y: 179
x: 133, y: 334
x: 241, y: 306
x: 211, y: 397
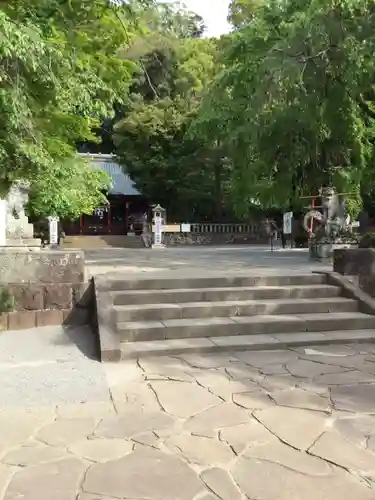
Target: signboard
x: 287, y: 222
x: 185, y: 228
x: 169, y: 228
x: 356, y: 223
x: 158, y: 234
x: 53, y: 230
x: 99, y: 212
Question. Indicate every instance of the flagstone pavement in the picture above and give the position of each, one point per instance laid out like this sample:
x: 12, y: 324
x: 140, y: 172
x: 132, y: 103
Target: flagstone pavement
x: 272, y: 425
x: 249, y: 259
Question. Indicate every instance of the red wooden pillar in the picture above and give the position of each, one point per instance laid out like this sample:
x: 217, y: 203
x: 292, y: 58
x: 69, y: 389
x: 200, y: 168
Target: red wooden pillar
x: 109, y: 227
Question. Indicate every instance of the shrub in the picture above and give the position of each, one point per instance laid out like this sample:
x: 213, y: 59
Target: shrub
x: 6, y: 300
x: 342, y: 237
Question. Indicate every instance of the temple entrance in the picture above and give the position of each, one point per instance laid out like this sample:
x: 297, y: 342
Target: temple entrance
x: 121, y: 216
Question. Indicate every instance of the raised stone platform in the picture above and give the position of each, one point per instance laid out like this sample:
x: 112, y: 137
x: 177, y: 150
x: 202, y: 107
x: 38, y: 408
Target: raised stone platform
x: 359, y: 263
x: 49, y: 288
x: 31, y: 244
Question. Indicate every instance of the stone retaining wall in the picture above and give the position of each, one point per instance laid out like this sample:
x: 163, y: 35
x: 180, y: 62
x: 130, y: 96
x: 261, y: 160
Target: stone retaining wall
x: 49, y: 288
x: 181, y: 239
x: 359, y: 265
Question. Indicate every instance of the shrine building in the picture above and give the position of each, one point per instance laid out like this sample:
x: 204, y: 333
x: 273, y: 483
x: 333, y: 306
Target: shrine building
x: 125, y: 203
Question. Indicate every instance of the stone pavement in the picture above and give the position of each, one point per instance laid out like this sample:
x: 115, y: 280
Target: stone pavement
x: 271, y: 425
x: 250, y: 259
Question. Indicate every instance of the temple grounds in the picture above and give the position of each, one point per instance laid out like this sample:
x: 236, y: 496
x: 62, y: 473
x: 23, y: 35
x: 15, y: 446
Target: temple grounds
x: 285, y: 425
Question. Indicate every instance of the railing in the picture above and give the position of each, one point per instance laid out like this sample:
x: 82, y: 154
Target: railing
x: 208, y: 228
x: 255, y: 230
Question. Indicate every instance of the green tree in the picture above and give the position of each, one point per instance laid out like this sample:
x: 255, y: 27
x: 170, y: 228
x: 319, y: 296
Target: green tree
x: 153, y: 30
x: 242, y: 12
x: 68, y: 190
x: 167, y: 18
x: 167, y: 164
x: 292, y: 100
x: 60, y: 74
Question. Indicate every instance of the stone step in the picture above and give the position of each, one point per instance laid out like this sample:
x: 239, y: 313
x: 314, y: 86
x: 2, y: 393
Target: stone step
x: 244, y: 342
x: 228, y: 308
x: 183, y: 295
x: 215, y: 281
x: 242, y: 325
x: 90, y: 242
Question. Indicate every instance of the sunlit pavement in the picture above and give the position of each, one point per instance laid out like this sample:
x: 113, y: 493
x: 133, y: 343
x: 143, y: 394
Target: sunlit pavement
x: 236, y: 259
x: 285, y: 425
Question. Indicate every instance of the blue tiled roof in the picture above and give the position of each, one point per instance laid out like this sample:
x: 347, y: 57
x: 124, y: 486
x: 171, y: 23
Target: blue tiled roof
x: 122, y: 184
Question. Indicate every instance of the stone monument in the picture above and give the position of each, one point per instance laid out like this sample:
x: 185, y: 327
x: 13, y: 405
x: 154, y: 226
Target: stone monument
x: 19, y: 233
x: 332, y: 225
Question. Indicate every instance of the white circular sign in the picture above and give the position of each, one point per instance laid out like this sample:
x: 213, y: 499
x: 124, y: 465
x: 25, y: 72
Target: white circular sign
x: 312, y: 214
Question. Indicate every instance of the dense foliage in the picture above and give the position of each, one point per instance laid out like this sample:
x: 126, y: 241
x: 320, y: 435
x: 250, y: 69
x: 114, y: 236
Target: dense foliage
x: 7, y: 300
x: 60, y: 73
x: 295, y: 99
x: 182, y: 172
x: 241, y: 12
x: 266, y: 114
x: 68, y: 189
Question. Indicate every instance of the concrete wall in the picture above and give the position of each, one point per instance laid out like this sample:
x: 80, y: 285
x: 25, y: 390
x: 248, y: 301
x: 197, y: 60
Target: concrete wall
x: 49, y: 288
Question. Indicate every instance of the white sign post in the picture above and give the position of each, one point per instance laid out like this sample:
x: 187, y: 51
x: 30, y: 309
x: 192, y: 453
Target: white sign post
x: 287, y: 222
x: 158, y: 226
x: 3, y: 222
x: 158, y: 232
x: 53, y: 231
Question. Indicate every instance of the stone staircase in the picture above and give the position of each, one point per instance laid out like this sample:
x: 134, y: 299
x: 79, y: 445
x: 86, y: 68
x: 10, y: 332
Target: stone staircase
x: 171, y: 315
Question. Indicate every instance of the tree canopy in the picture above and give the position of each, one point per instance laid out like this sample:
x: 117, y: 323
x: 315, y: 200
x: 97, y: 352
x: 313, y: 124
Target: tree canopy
x: 68, y: 189
x: 182, y: 172
x: 280, y: 106
x: 295, y: 99
x: 168, y: 18
x: 60, y: 74
x: 241, y: 12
